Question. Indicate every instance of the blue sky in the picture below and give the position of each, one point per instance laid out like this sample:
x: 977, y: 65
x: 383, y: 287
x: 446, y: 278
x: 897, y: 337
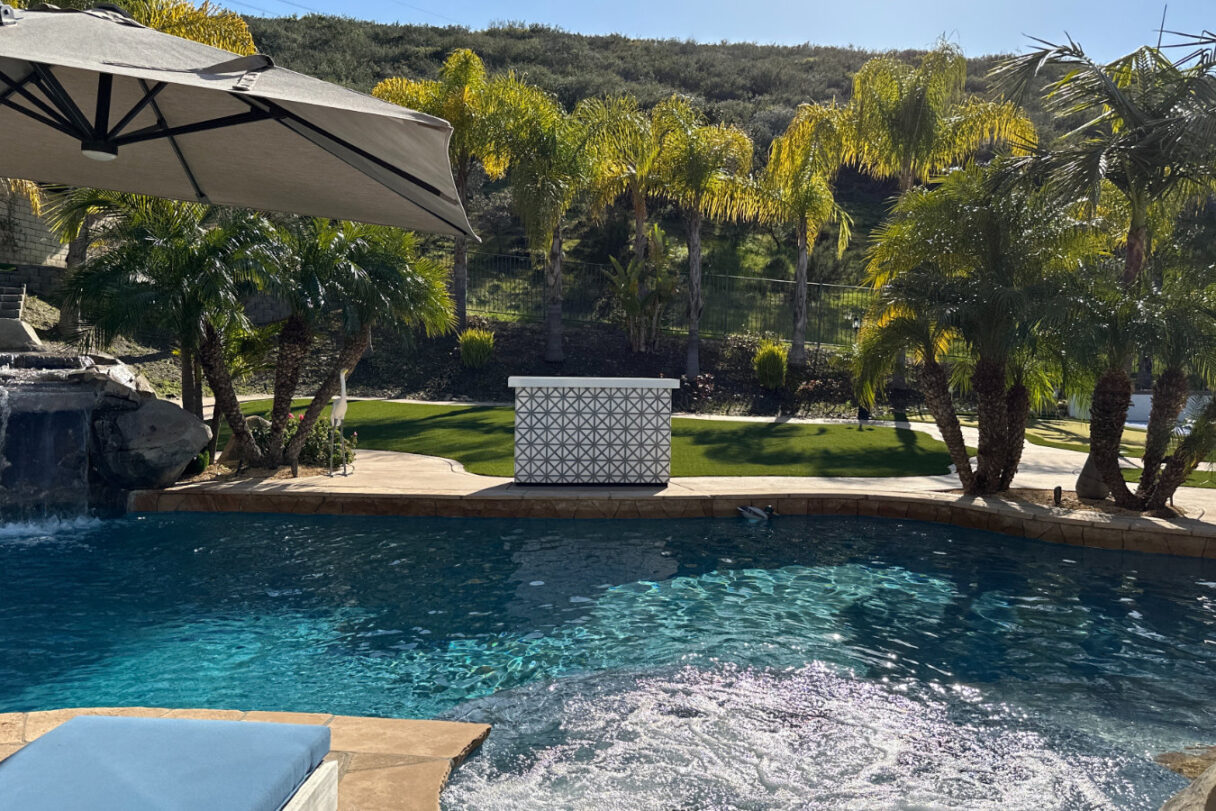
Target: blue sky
x: 1107, y: 29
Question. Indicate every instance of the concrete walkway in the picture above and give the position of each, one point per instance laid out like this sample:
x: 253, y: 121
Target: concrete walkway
x: 1041, y: 468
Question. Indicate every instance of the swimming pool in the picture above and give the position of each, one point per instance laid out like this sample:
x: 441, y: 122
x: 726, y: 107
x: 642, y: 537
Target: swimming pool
x: 811, y: 662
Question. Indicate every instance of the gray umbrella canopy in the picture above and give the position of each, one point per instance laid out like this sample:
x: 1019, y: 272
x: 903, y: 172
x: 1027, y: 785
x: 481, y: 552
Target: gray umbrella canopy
x: 92, y: 98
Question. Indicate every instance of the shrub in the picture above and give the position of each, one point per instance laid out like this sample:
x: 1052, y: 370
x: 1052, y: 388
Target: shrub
x: 769, y: 363
x: 476, y: 347
x: 695, y: 393
x: 315, y: 452
x: 198, y: 464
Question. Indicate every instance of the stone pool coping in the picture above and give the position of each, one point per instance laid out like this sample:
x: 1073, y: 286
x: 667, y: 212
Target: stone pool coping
x: 1176, y: 536
x: 383, y: 762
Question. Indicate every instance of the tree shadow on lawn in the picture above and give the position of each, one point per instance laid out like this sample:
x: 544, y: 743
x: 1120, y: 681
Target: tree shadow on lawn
x: 806, y: 450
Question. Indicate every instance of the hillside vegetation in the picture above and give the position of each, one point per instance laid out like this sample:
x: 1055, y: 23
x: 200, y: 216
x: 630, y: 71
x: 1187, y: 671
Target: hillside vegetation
x: 756, y: 87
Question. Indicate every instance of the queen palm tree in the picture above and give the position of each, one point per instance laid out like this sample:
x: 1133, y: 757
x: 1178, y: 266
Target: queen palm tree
x: 629, y: 145
x: 704, y: 170
x: 183, y: 268
x: 796, y: 190
x: 552, y: 163
x: 383, y: 282
x: 465, y: 97
x: 912, y: 122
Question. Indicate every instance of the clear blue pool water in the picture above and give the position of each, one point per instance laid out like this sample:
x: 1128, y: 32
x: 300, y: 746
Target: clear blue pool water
x: 806, y: 663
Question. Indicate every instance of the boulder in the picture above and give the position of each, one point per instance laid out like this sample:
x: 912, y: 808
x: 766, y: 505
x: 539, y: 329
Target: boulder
x: 147, y: 447
x: 1089, y: 483
x: 1198, y: 796
x: 18, y: 336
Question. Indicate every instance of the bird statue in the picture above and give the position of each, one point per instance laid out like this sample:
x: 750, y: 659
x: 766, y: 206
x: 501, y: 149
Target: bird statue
x: 757, y: 514
x: 336, y: 416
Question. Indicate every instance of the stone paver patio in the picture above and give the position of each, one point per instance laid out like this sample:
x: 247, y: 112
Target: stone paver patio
x: 383, y: 762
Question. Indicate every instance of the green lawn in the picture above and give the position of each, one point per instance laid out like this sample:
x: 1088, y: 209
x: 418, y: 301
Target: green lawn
x: 481, y: 439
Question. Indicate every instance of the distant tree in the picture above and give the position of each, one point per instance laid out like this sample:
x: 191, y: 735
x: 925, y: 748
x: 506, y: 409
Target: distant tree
x: 704, y: 169
x: 551, y: 165
x: 465, y: 97
x: 796, y: 190
x: 911, y: 122
x: 629, y: 146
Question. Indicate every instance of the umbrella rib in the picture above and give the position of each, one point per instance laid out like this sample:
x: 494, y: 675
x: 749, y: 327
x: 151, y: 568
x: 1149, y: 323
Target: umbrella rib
x: 49, y: 84
x: 138, y: 107
x: 41, y: 119
x: 154, y: 132
x: 160, y: 120
x: 317, y: 136
x: 20, y: 88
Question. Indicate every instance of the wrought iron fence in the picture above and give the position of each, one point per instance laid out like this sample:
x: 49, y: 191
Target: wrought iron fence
x: 513, y: 288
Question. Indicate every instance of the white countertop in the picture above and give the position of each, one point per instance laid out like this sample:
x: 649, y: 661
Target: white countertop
x: 592, y: 383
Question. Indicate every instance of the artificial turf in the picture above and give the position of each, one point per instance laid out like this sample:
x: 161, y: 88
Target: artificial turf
x: 482, y: 439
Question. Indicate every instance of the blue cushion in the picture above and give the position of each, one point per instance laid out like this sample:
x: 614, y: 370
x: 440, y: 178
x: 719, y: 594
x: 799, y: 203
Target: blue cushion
x: 140, y: 764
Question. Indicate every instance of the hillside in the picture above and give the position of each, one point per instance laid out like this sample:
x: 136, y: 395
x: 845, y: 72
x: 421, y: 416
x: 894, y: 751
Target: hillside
x: 756, y: 87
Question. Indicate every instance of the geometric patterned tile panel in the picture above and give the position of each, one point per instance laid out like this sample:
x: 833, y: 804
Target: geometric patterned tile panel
x: 592, y: 435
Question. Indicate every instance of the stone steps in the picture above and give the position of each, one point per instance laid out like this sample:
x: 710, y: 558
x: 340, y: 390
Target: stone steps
x: 12, y: 302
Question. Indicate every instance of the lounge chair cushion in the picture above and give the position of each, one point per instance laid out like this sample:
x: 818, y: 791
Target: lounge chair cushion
x: 140, y: 764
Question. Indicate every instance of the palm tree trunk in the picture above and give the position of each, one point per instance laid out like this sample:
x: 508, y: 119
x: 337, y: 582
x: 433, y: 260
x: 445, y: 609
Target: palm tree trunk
x: 797, y: 357
x: 1169, y: 398
x: 460, y: 282
x: 936, y: 386
x: 460, y: 247
x: 1017, y: 408
x: 553, y: 299
x: 211, y: 353
x: 1194, y: 448
x: 294, y: 340
x: 988, y: 381
x: 639, y: 226
x: 348, y: 357
x: 1107, y: 414
x: 69, y: 325
x: 693, y: 361
x: 190, y: 401
x: 1137, y: 250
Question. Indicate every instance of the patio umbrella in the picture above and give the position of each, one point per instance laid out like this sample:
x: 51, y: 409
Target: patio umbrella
x: 93, y: 98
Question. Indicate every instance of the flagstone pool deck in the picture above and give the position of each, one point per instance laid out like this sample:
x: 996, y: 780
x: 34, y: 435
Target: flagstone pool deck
x: 383, y: 762
x: 389, y: 483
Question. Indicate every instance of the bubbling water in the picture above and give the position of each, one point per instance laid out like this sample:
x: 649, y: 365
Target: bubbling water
x: 808, y: 738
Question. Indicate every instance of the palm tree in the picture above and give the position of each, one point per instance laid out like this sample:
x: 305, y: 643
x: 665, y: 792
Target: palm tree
x: 986, y: 265
x: 1133, y: 142
x: 894, y: 329
x: 384, y: 282
x: 796, y: 190
x: 1145, y: 146
x: 465, y: 97
x: 704, y: 170
x: 307, y: 262
x: 551, y: 165
x: 628, y: 145
x: 913, y: 122
x: 183, y: 268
